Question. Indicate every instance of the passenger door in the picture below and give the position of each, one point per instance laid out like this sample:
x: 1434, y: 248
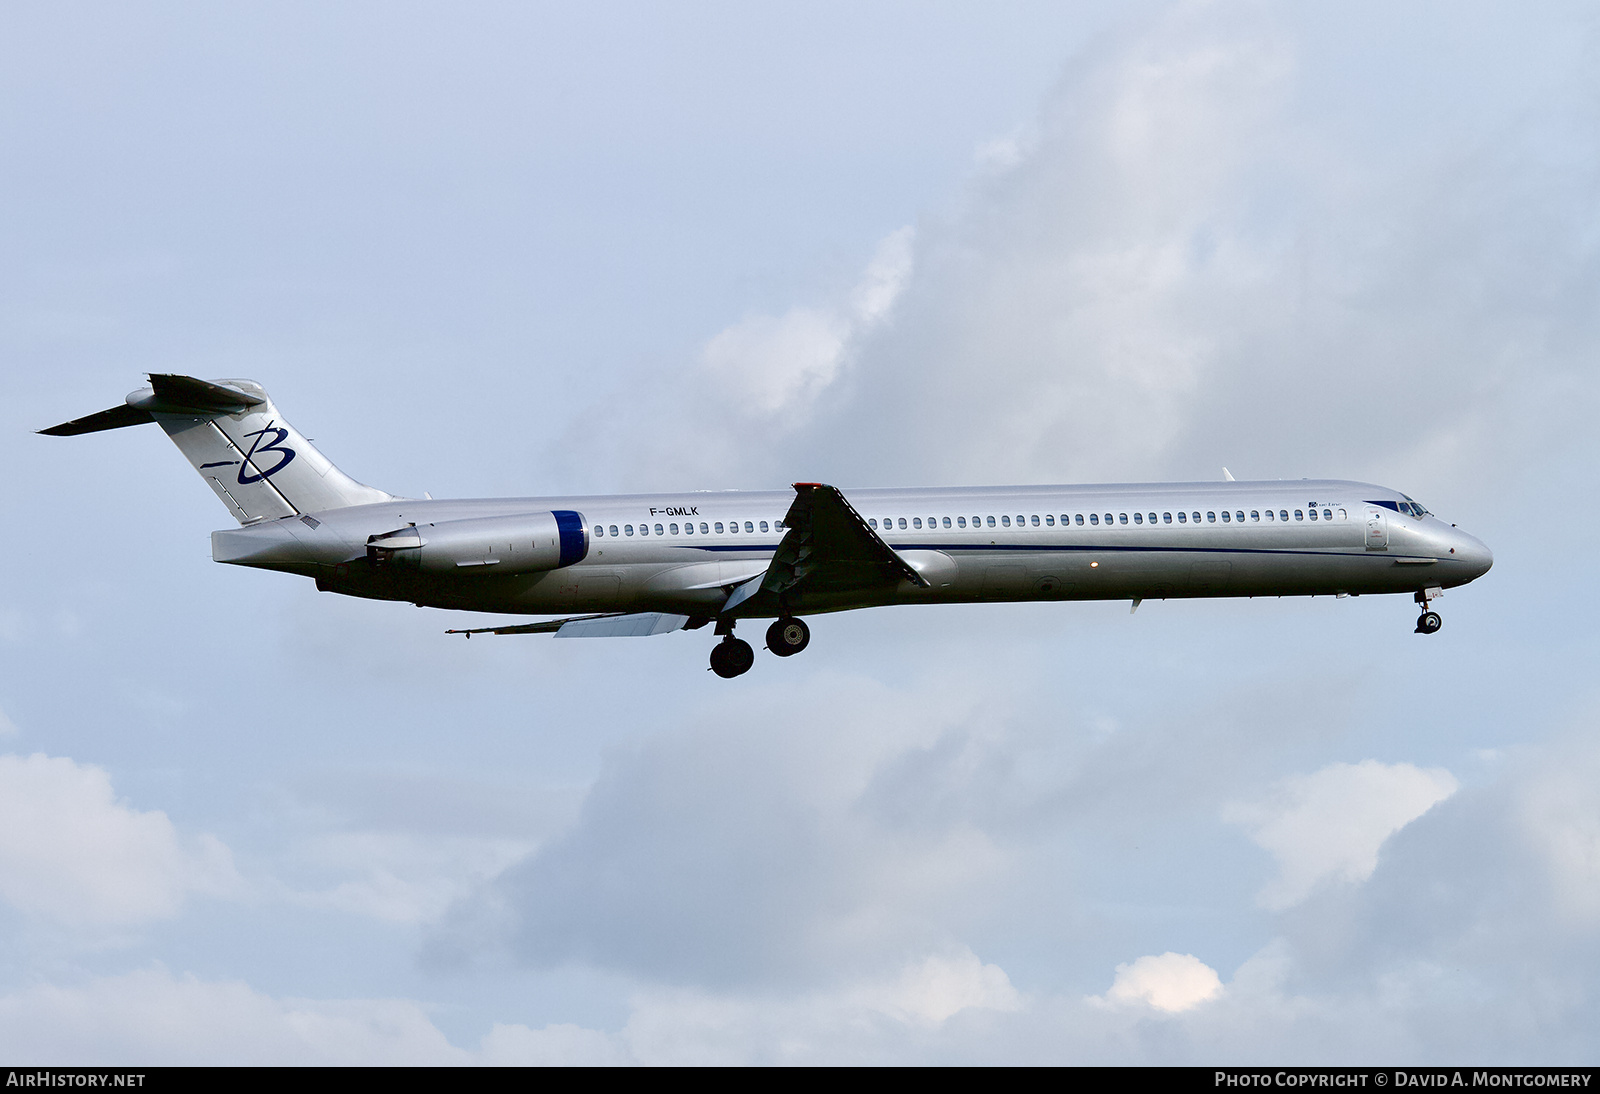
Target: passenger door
x: 1377, y: 530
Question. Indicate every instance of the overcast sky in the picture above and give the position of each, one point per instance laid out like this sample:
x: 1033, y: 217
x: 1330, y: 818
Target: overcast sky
x: 516, y: 249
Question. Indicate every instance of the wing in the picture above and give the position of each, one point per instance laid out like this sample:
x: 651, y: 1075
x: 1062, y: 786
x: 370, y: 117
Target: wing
x: 605, y: 625
x: 828, y: 555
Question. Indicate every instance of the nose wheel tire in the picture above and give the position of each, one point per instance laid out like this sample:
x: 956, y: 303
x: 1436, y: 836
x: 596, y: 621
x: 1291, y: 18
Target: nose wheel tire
x: 1428, y: 623
x: 732, y: 657
x: 788, y: 637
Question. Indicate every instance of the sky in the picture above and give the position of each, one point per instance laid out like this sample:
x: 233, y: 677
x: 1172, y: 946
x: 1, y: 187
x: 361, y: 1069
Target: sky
x: 524, y: 249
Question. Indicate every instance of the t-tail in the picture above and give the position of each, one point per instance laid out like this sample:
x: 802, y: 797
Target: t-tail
x: 259, y: 464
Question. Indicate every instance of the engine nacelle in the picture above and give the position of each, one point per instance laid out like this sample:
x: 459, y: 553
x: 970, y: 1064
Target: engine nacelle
x: 520, y: 544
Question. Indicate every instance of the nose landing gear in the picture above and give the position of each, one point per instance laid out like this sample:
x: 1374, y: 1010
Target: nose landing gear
x: 1428, y: 622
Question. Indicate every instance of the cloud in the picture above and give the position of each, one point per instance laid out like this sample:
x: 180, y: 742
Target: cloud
x: 1172, y: 982
x: 773, y: 367
x: 941, y: 985
x: 70, y: 852
x: 1559, y: 814
x: 1329, y: 826
x: 738, y: 851
x: 401, y: 877
x: 862, y: 1020
x: 1193, y: 259
x: 153, y: 1017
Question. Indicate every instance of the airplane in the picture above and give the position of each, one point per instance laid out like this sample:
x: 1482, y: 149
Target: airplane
x: 646, y: 564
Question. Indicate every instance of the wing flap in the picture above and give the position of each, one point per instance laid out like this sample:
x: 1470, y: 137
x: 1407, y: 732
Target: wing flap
x: 604, y: 625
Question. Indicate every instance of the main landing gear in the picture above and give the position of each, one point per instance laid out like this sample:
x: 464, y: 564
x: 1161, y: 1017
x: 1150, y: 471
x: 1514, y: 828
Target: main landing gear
x: 733, y: 656
x: 787, y: 637
x: 1428, y: 622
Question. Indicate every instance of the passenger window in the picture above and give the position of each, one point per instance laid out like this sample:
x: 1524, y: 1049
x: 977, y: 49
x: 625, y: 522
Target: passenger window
x: 689, y: 528
x: 1050, y: 520
x: 991, y: 522
x: 1108, y: 518
x: 1152, y: 518
x: 704, y: 531
x: 1298, y: 515
x: 1166, y: 518
x: 1212, y: 517
x: 1195, y: 516
x: 627, y: 529
x: 763, y: 526
x: 613, y: 529
x: 777, y: 526
x: 673, y: 528
x: 599, y: 531
x: 902, y: 522
x: 1225, y: 517
x: 749, y: 526
x: 947, y: 522
x: 1094, y: 518
x: 1313, y: 514
x: 719, y: 527
x: 1239, y: 516
x: 1255, y: 514
x: 1079, y: 518
x: 961, y: 522
x: 1138, y: 518
x: 1183, y: 517
x: 644, y: 529
x: 1269, y: 514
x: 872, y: 522
x: 916, y: 522
x: 1343, y: 515
x: 1036, y: 520
x: 1021, y: 521
x: 1005, y: 521
x: 1327, y: 514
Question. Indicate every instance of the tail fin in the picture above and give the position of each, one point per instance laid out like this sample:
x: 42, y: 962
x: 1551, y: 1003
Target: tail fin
x: 258, y: 464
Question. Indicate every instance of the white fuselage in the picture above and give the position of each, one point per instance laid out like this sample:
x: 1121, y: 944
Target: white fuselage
x: 682, y: 552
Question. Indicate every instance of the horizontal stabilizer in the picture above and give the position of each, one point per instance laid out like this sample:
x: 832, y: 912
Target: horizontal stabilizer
x: 168, y: 394
x: 115, y: 418
x: 178, y: 393
x: 258, y: 464
x: 608, y: 625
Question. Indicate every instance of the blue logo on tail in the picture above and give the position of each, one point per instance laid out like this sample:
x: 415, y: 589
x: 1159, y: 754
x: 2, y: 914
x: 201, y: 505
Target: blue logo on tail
x: 284, y: 454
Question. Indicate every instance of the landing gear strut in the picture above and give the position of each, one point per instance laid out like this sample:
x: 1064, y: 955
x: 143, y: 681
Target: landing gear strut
x: 788, y: 636
x: 1428, y: 622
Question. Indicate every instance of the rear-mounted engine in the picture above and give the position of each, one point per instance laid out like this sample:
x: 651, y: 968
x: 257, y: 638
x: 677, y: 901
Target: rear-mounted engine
x: 525, y: 543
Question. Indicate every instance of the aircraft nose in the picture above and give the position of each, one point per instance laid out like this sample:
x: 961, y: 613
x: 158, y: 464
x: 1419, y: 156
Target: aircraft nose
x: 1473, y: 553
